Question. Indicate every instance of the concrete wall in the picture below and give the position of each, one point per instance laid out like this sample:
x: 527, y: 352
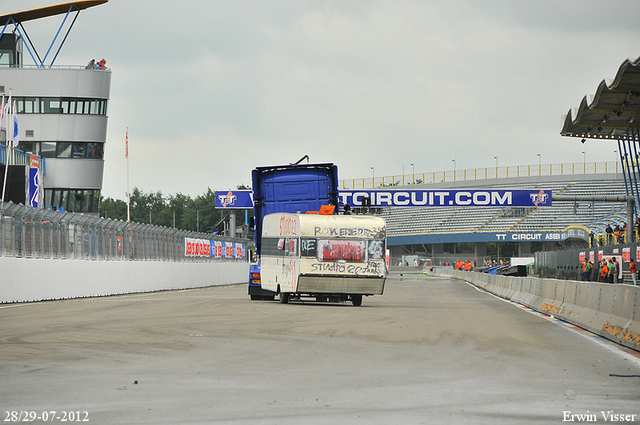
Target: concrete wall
x: 610, y: 310
x: 35, y: 280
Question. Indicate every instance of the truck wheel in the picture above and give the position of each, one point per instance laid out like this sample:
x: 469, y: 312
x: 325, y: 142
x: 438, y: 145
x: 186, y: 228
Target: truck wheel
x: 284, y: 297
x: 356, y: 300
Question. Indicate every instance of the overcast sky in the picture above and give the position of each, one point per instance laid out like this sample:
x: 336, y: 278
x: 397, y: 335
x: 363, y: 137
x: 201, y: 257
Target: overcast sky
x: 211, y: 89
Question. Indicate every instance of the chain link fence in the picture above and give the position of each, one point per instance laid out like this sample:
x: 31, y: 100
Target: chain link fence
x: 27, y: 232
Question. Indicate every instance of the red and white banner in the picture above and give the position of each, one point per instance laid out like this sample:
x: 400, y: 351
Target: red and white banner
x: 197, y: 247
x: 626, y: 254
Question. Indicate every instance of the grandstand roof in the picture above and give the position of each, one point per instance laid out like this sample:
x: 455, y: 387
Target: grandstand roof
x: 613, y: 112
x: 44, y: 12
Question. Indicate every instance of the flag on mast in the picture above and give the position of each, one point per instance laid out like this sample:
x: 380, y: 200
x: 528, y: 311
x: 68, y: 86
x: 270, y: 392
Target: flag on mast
x: 16, y: 138
x: 6, y: 114
x: 126, y: 144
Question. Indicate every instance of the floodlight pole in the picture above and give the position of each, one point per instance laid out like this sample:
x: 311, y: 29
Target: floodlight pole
x: 128, y: 193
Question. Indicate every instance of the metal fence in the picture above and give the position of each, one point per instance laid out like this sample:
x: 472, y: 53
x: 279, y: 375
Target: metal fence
x: 482, y: 174
x: 27, y: 232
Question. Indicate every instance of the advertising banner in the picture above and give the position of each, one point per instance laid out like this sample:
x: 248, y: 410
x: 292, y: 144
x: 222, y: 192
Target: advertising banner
x: 197, y: 247
x: 446, y: 198
x: 35, y: 187
x: 239, y: 250
x: 228, y: 249
x: 234, y: 199
x: 413, y: 198
x: 626, y: 254
x: 208, y: 248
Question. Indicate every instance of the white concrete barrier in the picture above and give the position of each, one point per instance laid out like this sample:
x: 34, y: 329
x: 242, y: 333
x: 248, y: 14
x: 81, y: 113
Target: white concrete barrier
x: 610, y: 310
x: 36, y: 280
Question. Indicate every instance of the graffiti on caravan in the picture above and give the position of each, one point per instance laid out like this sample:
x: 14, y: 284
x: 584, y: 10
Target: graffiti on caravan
x: 446, y: 198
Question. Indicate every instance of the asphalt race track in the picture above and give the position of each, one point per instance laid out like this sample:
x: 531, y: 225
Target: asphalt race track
x: 428, y: 351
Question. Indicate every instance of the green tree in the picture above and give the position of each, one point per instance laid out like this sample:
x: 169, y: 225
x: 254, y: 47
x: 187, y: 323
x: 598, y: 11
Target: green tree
x: 201, y: 213
x: 147, y: 208
x: 190, y: 214
x: 177, y: 204
x: 113, y: 208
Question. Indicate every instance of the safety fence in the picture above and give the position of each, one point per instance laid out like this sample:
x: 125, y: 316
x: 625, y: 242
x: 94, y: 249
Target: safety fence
x: 482, y: 173
x: 27, y: 232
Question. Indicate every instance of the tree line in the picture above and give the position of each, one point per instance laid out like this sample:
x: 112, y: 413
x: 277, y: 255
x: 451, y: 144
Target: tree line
x: 180, y: 211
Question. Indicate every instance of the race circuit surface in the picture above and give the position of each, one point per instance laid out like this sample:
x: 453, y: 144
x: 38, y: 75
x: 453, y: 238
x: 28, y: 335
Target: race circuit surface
x: 428, y: 351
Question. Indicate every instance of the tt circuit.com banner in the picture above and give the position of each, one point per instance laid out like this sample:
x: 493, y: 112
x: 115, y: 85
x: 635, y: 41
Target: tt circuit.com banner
x: 446, y: 198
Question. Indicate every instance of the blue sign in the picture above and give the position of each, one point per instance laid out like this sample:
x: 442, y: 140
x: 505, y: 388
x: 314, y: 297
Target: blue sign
x: 572, y: 232
x: 413, y: 198
x: 234, y: 199
x: 447, y: 198
x: 34, y: 187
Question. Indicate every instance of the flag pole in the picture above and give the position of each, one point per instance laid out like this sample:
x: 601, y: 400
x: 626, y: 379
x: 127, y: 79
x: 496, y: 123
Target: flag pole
x: 6, y: 150
x: 126, y: 153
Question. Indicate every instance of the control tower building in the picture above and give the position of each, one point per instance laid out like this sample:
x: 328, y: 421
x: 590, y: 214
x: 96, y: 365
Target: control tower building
x: 62, y: 109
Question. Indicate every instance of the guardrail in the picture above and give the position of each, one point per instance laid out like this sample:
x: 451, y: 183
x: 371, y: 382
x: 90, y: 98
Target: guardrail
x: 482, y: 174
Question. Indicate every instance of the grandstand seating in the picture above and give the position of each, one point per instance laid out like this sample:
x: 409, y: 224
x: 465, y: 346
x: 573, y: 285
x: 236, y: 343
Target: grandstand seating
x: 595, y: 216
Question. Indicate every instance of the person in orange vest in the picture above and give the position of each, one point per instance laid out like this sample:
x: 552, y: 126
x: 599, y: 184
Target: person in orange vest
x: 467, y: 266
x: 605, y: 272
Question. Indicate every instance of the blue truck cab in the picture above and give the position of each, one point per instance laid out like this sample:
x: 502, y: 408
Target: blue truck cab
x: 292, y: 188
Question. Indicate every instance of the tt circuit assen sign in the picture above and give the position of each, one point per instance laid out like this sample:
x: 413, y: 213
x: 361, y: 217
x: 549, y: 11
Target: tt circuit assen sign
x: 446, y: 198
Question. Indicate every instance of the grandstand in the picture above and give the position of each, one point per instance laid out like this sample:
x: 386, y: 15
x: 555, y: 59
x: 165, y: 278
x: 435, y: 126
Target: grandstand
x: 564, y: 224
x: 610, y: 114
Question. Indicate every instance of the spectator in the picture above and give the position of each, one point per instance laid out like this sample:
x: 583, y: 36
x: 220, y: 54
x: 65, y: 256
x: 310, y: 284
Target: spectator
x: 91, y: 64
x: 617, y: 234
x: 632, y: 271
x: 586, y: 270
x: 102, y: 64
x: 604, y: 272
x: 609, y: 231
x: 612, y: 270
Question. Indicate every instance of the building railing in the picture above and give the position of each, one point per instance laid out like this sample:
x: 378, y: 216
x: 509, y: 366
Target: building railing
x: 27, y: 232
x: 29, y: 66
x: 482, y: 174
x: 19, y: 157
